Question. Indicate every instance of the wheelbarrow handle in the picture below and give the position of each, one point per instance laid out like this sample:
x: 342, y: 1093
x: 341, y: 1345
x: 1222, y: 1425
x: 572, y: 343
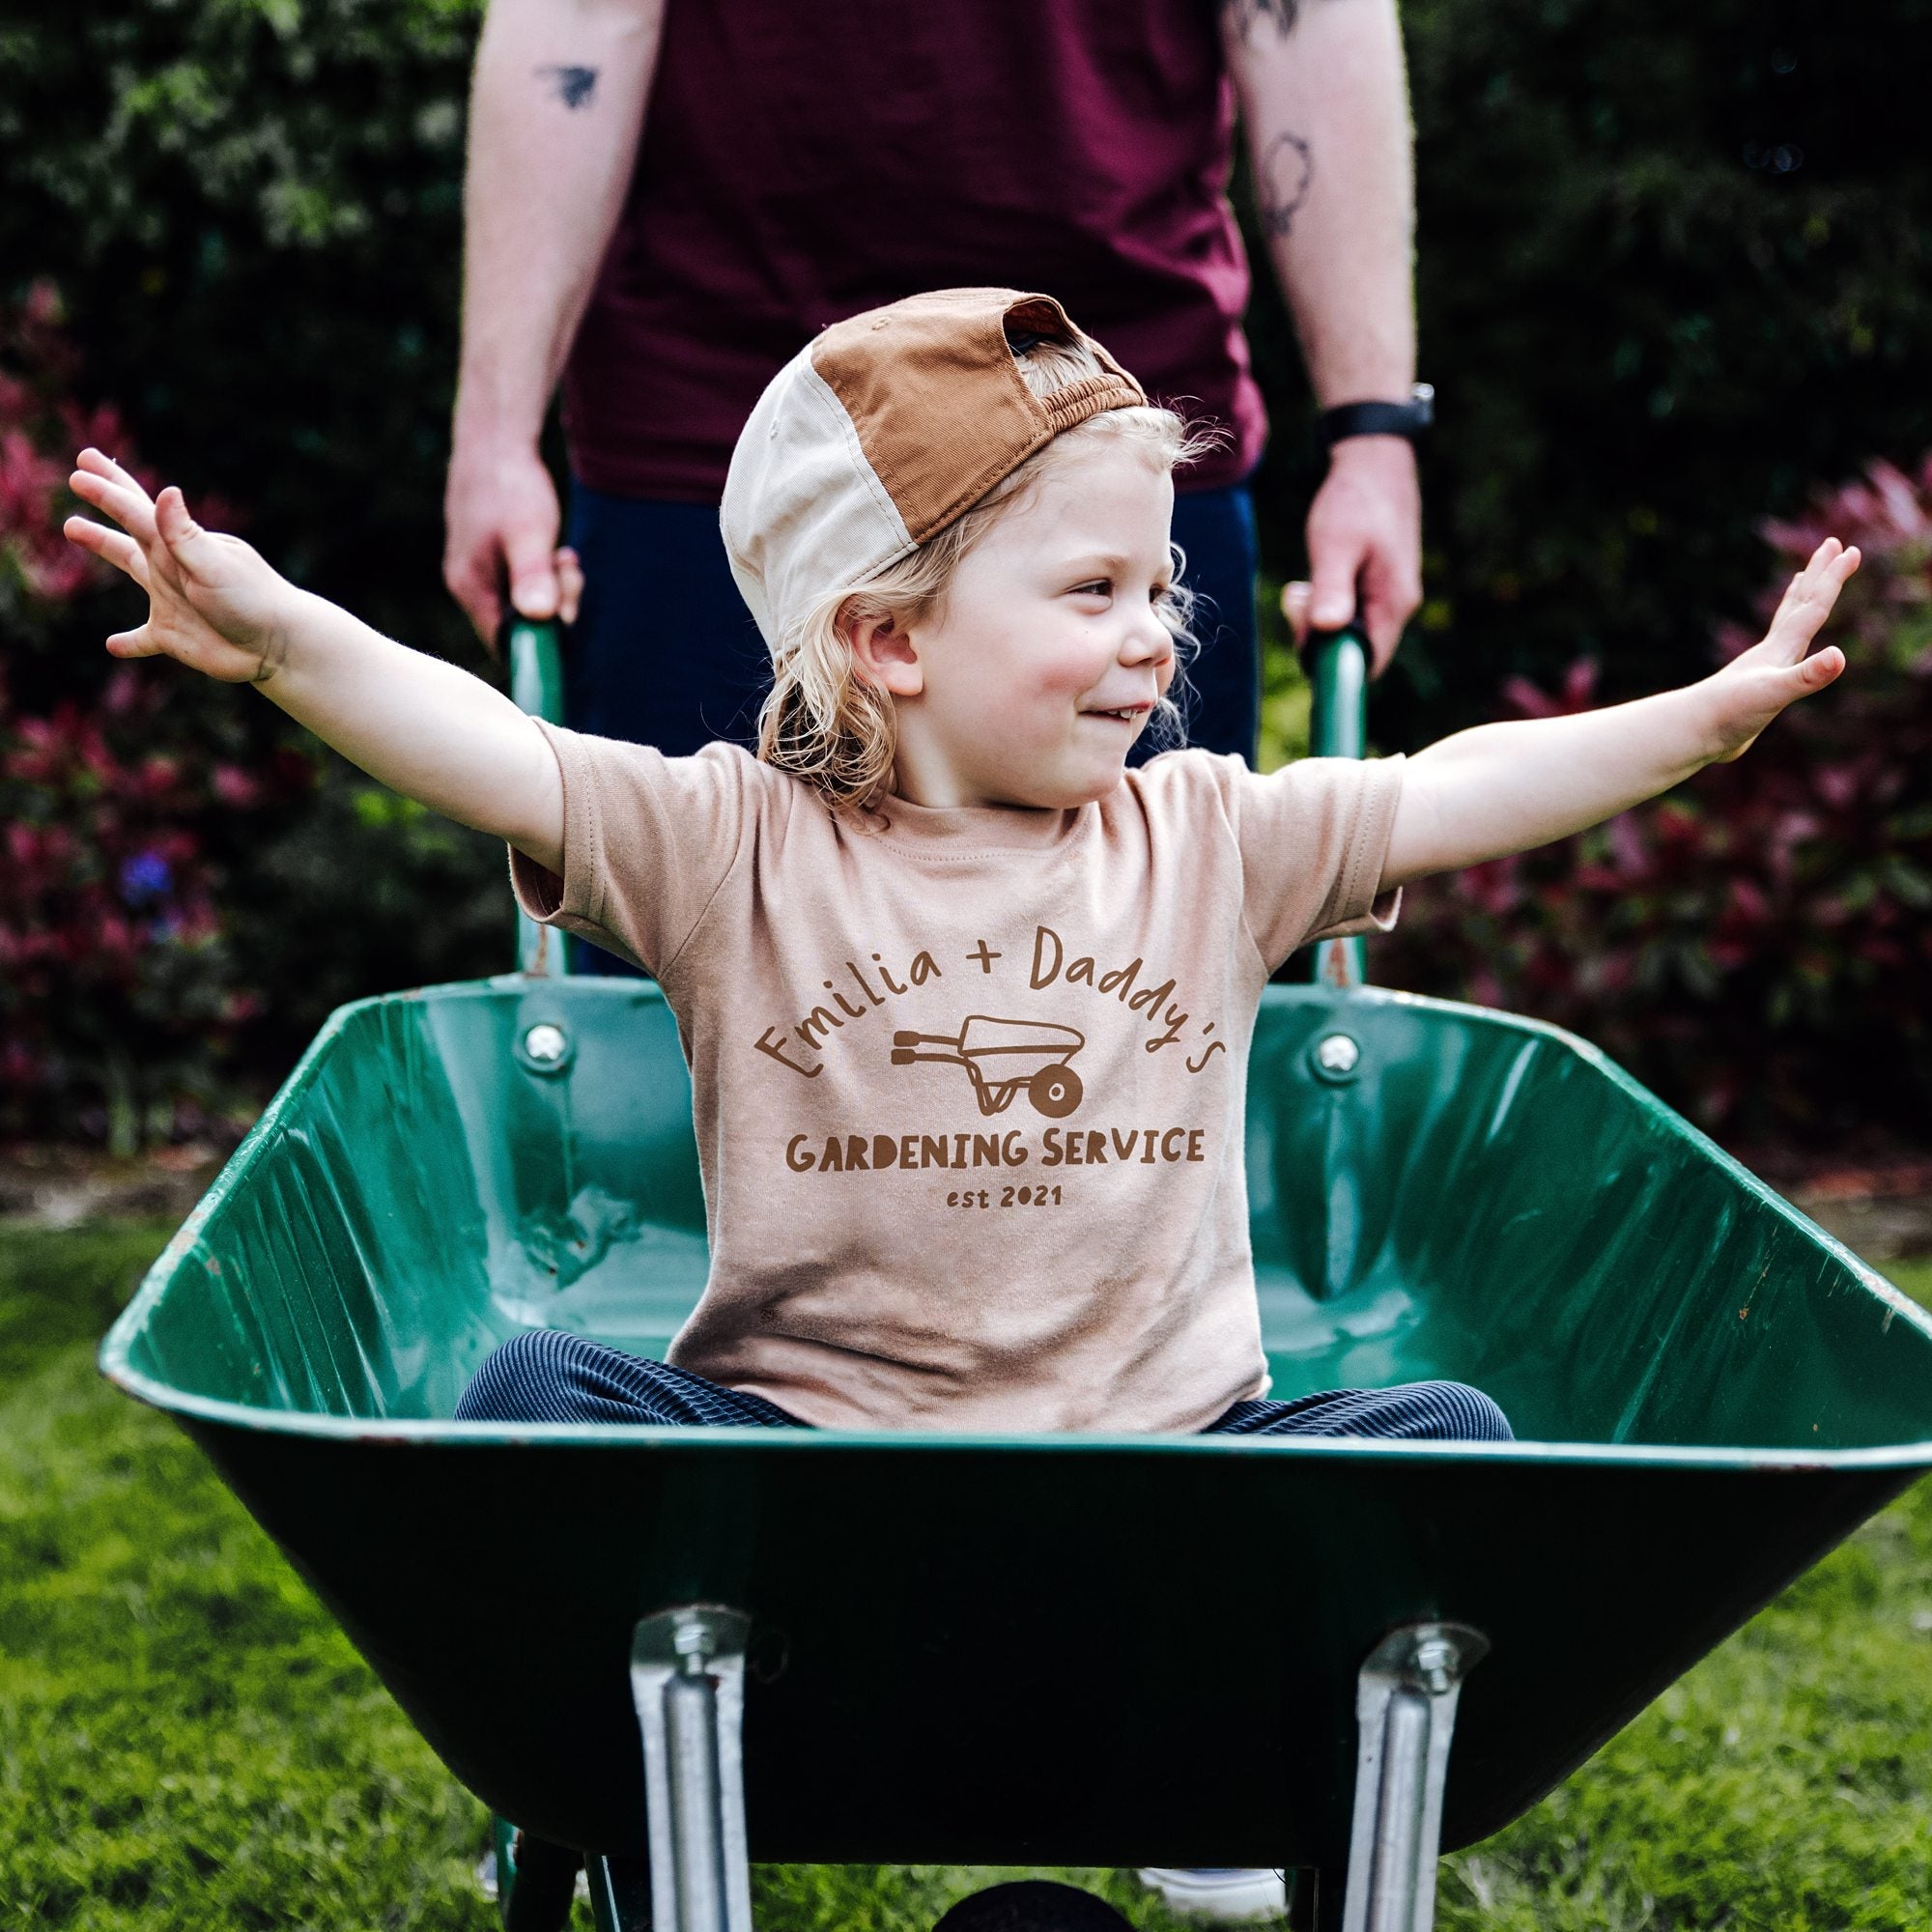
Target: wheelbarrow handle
x: 534, y: 653
x: 1338, y: 724
x: 1338, y: 727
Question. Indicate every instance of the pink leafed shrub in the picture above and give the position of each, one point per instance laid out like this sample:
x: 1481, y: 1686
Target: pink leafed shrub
x: 119, y: 1000
x: 1757, y: 947
x: 40, y: 428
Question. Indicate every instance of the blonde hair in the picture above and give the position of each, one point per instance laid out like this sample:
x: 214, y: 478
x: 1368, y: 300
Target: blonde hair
x: 824, y: 724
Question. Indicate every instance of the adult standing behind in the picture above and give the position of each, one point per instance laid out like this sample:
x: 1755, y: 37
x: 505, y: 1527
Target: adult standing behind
x: 800, y: 163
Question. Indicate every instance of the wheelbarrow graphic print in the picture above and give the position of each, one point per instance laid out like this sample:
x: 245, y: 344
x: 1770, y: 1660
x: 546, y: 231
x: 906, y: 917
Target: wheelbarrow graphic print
x: 1003, y: 1057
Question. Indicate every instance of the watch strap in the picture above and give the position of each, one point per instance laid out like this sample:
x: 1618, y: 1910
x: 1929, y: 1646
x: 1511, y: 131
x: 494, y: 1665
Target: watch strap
x: 1406, y: 419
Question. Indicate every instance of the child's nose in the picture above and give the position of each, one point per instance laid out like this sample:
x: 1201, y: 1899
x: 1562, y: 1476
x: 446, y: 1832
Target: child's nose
x: 1147, y: 639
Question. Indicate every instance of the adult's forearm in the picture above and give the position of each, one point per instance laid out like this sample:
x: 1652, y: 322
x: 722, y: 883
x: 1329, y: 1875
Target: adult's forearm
x: 556, y: 106
x: 1511, y: 788
x: 419, y: 725
x: 1325, y: 98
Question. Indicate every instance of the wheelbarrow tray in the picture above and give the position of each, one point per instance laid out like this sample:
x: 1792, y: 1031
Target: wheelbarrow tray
x: 1081, y: 1649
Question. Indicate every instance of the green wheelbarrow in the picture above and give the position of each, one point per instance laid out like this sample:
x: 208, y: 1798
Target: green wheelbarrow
x: 672, y: 1652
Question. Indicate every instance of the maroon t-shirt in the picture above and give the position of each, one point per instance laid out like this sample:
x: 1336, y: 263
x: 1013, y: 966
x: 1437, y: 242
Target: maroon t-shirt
x: 801, y: 163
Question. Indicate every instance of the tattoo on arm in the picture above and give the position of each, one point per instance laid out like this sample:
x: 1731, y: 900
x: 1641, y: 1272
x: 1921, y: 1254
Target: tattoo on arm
x: 1284, y: 177
x: 1244, y: 16
x: 574, y: 86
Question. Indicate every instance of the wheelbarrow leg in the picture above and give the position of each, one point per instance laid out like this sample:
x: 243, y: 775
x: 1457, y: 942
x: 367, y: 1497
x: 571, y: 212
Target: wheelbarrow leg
x: 1405, y: 1708
x: 1313, y: 1901
x: 534, y: 1881
x: 687, y: 1680
x: 620, y: 1894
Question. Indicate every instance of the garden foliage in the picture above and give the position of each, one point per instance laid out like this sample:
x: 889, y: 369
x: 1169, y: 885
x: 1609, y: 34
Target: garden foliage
x: 1760, y: 942
x: 121, y: 1004
x: 251, y: 211
x: 191, y: 883
x: 1673, y: 271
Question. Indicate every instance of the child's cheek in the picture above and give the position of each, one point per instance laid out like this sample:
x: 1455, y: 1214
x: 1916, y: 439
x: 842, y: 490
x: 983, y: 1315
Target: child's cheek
x: 1068, y: 673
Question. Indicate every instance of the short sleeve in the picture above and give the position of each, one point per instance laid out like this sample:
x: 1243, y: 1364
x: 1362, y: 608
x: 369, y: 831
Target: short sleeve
x: 1314, y: 838
x: 647, y: 841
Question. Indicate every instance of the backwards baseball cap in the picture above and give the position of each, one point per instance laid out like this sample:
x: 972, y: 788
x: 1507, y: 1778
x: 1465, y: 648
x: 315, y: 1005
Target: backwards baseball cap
x: 887, y: 427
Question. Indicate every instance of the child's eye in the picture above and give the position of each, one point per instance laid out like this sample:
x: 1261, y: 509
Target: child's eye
x: 1099, y: 586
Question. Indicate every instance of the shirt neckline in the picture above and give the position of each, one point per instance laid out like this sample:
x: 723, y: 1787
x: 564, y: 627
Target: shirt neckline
x: 960, y: 828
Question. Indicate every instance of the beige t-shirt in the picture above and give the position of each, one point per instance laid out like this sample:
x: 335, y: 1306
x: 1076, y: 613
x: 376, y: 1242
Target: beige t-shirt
x: 969, y: 1084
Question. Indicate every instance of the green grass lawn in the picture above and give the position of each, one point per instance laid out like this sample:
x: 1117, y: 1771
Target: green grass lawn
x: 186, y: 1741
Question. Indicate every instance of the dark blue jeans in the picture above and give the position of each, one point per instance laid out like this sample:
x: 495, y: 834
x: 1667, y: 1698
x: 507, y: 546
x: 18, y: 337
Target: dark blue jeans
x: 547, y: 1376
x: 664, y: 651
x: 1215, y: 529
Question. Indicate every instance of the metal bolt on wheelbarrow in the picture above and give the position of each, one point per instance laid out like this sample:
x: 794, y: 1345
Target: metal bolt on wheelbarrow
x: 953, y: 1648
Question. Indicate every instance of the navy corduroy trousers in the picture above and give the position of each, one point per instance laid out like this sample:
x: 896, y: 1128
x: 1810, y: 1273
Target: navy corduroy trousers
x: 547, y: 1376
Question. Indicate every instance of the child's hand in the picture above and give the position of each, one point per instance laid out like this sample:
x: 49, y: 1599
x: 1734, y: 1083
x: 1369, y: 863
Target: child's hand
x: 1755, y: 686
x: 213, y: 603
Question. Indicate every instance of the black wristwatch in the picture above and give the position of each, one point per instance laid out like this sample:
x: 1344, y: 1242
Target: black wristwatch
x: 1410, y: 418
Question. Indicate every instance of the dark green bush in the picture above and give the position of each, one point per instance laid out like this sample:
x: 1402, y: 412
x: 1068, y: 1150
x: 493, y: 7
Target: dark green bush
x: 252, y: 209
x: 1674, y: 272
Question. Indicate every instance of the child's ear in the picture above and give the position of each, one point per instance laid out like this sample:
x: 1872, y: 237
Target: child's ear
x: 883, y: 652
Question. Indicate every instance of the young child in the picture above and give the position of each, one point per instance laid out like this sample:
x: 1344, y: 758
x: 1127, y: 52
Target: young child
x: 966, y: 1003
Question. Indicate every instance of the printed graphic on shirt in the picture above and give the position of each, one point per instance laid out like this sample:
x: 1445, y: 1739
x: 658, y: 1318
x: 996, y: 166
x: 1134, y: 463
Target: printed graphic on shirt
x: 1001, y: 1056
x: 801, y: 1047
x: 1152, y: 1146
x: 1003, y: 1059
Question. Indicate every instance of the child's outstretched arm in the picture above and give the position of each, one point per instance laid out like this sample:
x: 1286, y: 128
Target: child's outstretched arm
x: 1505, y: 788
x: 420, y: 725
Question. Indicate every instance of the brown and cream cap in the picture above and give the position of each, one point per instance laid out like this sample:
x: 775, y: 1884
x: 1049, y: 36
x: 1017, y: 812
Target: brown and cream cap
x: 882, y: 430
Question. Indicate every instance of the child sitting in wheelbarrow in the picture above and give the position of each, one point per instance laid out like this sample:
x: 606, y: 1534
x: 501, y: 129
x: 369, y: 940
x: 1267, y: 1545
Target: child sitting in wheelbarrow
x: 937, y: 893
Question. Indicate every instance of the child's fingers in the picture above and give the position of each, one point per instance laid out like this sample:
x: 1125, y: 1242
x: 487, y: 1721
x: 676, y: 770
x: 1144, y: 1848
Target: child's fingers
x: 1809, y: 598
x: 139, y: 643
x: 1832, y: 564
x: 1790, y: 682
x: 172, y: 520
x: 188, y: 544
x: 127, y: 503
x: 113, y: 546
x: 1770, y: 690
x: 1821, y: 668
x: 100, y: 464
